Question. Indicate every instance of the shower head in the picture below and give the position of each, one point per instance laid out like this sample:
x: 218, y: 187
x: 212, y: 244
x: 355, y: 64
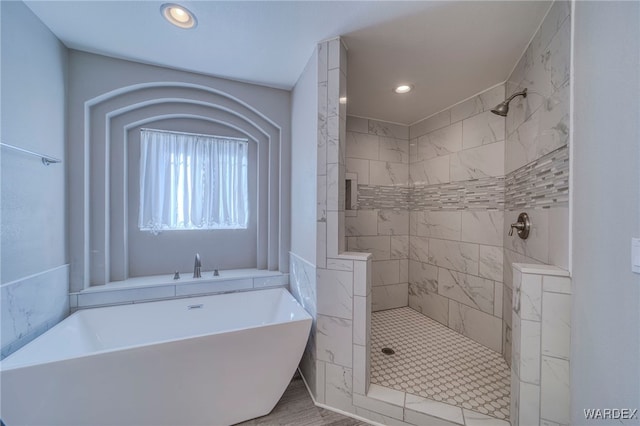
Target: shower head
x: 502, y: 109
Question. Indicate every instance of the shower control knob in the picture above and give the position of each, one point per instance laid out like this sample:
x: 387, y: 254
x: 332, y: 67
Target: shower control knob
x: 523, y: 225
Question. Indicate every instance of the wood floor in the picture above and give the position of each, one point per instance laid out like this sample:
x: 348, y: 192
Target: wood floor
x: 296, y: 409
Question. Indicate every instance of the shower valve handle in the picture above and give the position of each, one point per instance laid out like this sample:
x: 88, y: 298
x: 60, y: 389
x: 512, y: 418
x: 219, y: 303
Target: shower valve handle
x: 523, y: 225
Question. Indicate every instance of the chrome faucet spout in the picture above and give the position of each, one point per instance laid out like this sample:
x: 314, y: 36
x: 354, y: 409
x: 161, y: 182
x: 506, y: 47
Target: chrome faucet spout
x: 197, y: 266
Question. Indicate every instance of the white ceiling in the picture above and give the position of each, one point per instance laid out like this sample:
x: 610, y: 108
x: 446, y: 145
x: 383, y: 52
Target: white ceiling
x: 447, y: 50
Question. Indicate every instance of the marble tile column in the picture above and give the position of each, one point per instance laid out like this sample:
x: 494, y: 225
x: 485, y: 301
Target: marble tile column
x: 540, y: 348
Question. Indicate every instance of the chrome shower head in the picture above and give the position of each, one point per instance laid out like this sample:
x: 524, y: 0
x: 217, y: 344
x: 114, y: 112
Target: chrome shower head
x: 502, y: 109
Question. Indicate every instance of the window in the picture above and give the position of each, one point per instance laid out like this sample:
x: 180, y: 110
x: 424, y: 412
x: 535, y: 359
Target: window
x: 192, y: 181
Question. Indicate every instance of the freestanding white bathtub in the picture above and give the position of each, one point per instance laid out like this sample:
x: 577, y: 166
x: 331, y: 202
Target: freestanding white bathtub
x: 212, y: 360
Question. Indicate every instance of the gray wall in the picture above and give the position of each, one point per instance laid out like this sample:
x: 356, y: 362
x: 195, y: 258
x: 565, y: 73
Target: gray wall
x: 605, y: 346
x: 108, y: 100
x: 33, y: 259
x: 304, y: 134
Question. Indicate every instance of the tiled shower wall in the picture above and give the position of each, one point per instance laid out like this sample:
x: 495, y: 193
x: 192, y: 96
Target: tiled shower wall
x: 456, y: 218
x: 377, y: 161
x: 537, y: 153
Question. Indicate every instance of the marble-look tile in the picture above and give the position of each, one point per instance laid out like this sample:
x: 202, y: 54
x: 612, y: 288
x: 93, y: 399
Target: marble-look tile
x: 340, y: 264
x: 531, y: 297
x: 338, y: 387
x: 429, y: 124
x: 536, y: 246
x: 483, y: 227
x: 476, y: 325
x: 333, y: 141
x: 333, y: 231
x: 507, y: 307
x: 389, y: 296
x: 362, y: 145
x: 360, y: 168
x: 482, y: 129
x: 497, y: 299
x: 544, y: 422
x: 419, y: 249
x: 516, y: 344
x: 379, y: 247
x: 394, y: 150
x: 559, y: 237
x: 556, y: 325
x: 511, y: 257
x: 391, y: 396
x: 334, y: 53
x: 461, y: 257
x: 473, y: 418
x: 417, y: 418
x: 378, y: 406
x: 97, y: 298
x: 364, y: 224
x: 434, y: 408
x: 479, y: 162
x: 529, y: 368
x: 360, y: 316
x: 379, y: 418
x: 322, y: 128
x: 399, y: 247
x: 334, y: 340
x: 467, y: 289
x: 514, y: 412
x: 321, y: 203
x: 357, y: 124
x: 554, y: 401
x: 423, y: 275
x: 556, y: 284
x: 385, y: 272
x: 335, y: 293
x: 323, y: 60
x: 393, y: 130
x: 437, y: 224
x: 529, y: 404
x: 360, y: 287
x: 404, y: 267
x: 303, y: 283
x: 477, y: 104
x: 32, y: 305
x: 445, y: 141
x: 320, y: 381
x: 321, y: 244
x: 490, y: 262
x: 359, y: 369
x: 393, y: 222
x: 384, y: 173
x: 429, y: 303
x: 273, y: 281
x: 557, y: 56
x: 430, y: 172
x: 506, y: 343
x: 333, y: 181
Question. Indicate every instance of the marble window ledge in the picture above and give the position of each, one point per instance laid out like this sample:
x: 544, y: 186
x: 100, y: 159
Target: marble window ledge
x: 164, y: 287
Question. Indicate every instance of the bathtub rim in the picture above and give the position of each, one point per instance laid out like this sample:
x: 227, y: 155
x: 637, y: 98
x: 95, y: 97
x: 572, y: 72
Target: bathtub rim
x: 305, y: 317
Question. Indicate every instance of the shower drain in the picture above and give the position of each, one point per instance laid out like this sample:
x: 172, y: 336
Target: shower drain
x: 388, y: 351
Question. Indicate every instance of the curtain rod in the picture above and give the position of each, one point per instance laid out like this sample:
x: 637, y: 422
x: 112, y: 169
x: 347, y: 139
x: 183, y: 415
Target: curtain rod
x: 46, y: 159
x: 195, y: 134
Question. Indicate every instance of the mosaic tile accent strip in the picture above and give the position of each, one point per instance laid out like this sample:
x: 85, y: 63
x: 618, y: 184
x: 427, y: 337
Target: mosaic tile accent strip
x: 543, y: 183
x: 477, y: 194
x: 437, y: 363
x: 372, y: 197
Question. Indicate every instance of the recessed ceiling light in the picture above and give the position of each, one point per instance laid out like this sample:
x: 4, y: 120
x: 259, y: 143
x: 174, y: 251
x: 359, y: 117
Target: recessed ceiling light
x: 402, y: 88
x: 178, y: 15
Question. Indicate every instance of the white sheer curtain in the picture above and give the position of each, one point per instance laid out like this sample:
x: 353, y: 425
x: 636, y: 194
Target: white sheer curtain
x: 190, y: 181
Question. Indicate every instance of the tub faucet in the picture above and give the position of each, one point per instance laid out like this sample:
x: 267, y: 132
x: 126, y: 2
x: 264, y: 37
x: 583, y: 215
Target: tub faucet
x: 196, y: 267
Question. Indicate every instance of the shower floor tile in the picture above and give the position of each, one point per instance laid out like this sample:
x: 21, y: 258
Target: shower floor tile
x: 437, y: 363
